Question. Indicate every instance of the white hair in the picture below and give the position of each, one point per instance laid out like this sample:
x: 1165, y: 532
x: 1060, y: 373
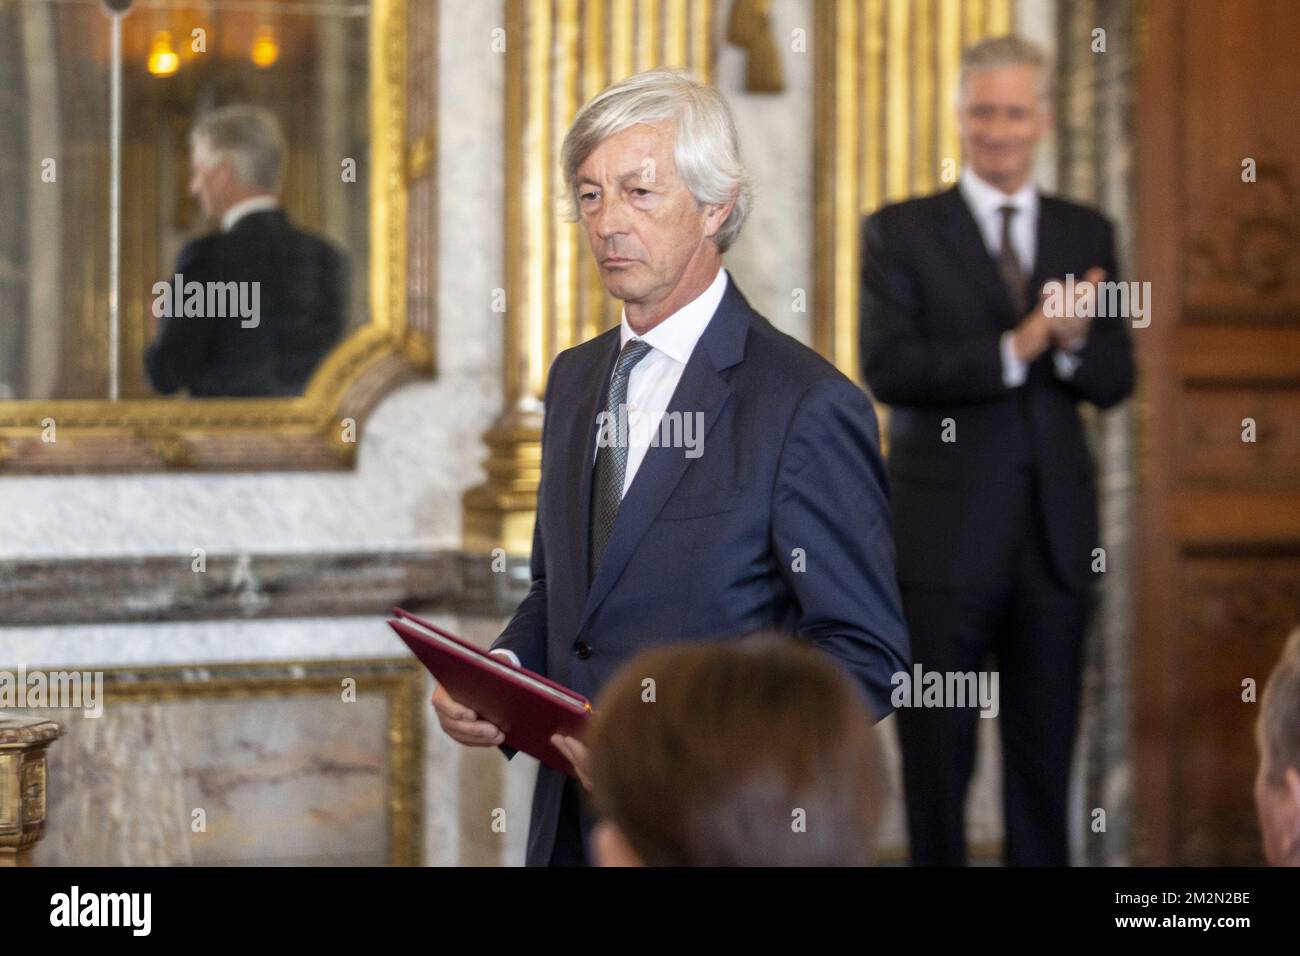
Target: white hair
x: 251, y: 137
x: 993, y: 53
x: 707, y: 149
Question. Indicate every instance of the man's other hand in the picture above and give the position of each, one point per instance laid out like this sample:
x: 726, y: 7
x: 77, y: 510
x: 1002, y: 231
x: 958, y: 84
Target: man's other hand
x: 1033, y: 336
x: 1070, y: 331
x: 576, y: 751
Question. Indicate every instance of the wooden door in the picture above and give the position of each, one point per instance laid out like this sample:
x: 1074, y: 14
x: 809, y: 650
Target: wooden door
x: 1218, y: 579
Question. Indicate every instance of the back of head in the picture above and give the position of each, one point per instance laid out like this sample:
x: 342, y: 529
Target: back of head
x: 251, y: 137
x: 752, y: 753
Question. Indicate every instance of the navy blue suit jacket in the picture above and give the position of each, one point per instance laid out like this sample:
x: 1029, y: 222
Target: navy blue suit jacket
x: 705, y: 547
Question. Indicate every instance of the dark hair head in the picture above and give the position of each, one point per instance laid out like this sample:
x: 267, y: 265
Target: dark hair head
x: 751, y: 753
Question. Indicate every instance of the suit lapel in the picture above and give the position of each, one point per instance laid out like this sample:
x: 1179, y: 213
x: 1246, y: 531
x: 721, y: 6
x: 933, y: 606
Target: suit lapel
x: 1049, y: 257
x: 966, y: 243
x: 1049, y: 263
x: 702, y: 389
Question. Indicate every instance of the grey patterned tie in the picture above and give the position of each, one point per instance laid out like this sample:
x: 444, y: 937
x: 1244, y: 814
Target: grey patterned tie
x: 1009, y: 265
x: 611, y: 458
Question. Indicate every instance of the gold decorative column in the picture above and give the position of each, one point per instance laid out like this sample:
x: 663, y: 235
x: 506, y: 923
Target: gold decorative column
x: 885, y: 130
x: 23, y: 742
x: 559, y: 53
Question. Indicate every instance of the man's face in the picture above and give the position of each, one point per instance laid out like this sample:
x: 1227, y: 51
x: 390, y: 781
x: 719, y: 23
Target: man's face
x: 1279, y: 815
x: 209, y: 177
x: 641, y: 220
x: 1001, y: 120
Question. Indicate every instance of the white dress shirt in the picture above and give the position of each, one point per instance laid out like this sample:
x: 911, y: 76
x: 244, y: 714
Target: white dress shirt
x: 652, y: 381
x: 245, y: 207
x: 985, y: 202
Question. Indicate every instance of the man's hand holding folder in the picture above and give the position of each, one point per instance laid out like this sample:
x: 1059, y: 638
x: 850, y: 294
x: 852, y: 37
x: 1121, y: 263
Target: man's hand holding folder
x: 463, y: 725
x: 486, y: 700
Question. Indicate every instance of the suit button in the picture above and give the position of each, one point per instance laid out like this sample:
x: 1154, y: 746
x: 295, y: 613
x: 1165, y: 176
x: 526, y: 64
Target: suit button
x: 582, y: 650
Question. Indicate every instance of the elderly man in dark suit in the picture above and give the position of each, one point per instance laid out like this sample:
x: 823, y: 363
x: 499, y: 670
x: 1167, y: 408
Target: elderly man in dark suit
x: 300, y: 280
x: 994, y: 502
x: 772, y: 515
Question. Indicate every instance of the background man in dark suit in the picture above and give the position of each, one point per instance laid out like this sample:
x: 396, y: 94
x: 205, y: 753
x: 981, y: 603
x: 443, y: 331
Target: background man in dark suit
x: 237, y: 155
x: 994, y: 504
x: 780, y: 523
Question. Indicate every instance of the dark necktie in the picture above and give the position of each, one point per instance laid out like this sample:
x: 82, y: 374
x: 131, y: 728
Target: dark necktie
x: 1009, y: 265
x: 611, y: 457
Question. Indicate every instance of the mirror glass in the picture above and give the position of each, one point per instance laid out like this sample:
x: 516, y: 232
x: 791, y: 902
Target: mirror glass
x: 242, y: 216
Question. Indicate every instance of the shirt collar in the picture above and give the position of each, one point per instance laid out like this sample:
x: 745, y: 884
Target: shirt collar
x: 246, y: 207
x: 676, y: 335
x: 985, y: 199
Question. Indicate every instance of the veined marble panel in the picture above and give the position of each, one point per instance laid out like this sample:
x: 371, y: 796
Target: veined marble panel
x: 312, y: 763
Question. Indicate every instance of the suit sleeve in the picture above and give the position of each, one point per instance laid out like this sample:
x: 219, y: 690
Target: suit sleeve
x: 901, y: 364
x: 525, y: 635
x: 327, y: 325
x: 1104, y: 375
x: 831, y: 500
x: 180, y: 351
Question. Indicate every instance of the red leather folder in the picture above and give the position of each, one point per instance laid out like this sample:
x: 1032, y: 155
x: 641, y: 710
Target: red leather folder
x: 526, y: 706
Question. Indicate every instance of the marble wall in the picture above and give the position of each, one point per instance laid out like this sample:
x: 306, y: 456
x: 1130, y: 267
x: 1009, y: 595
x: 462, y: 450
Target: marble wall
x: 773, y: 258
x: 461, y: 788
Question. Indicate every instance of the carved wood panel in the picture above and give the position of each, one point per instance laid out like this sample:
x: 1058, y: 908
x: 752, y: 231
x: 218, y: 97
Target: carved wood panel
x: 1218, y: 576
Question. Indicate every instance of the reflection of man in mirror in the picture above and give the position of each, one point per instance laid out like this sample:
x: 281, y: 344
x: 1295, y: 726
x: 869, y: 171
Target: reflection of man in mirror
x: 253, y: 309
